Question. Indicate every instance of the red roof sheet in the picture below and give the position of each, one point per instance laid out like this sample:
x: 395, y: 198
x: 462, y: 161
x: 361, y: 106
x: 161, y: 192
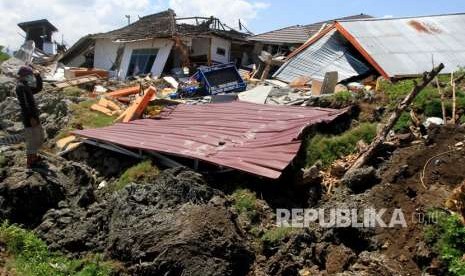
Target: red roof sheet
x: 259, y: 139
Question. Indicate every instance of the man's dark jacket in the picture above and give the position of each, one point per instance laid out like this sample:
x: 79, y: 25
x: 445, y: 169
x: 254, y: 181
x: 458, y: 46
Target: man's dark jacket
x: 25, y: 96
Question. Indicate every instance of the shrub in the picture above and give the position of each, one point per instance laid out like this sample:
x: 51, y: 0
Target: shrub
x: 73, y: 91
x: 330, y: 148
x: 343, y: 97
x: 142, y: 172
x: 245, y: 202
x: 447, y: 236
x: 30, y: 256
x: 403, y: 123
x: 274, y: 236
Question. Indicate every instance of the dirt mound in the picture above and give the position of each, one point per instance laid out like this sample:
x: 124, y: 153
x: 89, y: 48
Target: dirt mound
x: 176, y: 225
x: 26, y: 196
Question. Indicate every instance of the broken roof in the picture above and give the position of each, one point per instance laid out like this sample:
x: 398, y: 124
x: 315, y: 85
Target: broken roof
x: 258, y: 139
x: 165, y: 25
x: 394, y: 47
x: 298, y: 34
x: 41, y: 22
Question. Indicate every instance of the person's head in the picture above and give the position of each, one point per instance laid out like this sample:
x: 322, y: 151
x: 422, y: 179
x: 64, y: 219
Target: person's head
x: 26, y: 74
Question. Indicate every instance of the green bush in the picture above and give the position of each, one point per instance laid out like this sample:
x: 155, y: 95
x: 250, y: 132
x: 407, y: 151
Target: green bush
x: 245, y: 202
x: 30, y: 256
x: 73, y: 91
x: 3, y: 56
x: 447, y: 236
x: 274, y: 236
x: 403, y: 123
x: 343, y: 97
x: 3, y: 160
x: 330, y: 148
x: 142, y: 172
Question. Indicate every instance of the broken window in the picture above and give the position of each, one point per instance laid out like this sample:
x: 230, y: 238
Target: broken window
x: 141, y: 61
x: 221, y: 51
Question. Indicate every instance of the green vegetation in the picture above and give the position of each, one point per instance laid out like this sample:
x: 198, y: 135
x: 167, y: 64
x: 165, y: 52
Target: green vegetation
x: 245, y: 202
x: 329, y: 148
x: 343, y: 97
x: 428, y: 102
x: 403, y: 123
x: 142, y: 172
x: 3, y: 56
x: 83, y: 117
x: 31, y: 256
x: 462, y: 119
x: 274, y: 236
x: 73, y: 91
x: 447, y: 236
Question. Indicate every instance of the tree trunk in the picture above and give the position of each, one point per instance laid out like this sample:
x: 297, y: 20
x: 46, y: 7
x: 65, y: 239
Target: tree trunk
x: 367, y: 154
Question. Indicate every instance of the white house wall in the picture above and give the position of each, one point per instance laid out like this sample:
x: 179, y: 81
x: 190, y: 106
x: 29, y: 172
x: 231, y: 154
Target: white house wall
x: 220, y: 43
x: 164, y: 48
x: 105, y: 53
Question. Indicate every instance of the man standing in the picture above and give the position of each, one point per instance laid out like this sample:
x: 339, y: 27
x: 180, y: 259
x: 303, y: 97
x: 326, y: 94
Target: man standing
x: 28, y: 85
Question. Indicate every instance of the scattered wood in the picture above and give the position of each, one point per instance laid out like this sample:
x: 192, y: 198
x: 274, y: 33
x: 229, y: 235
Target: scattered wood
x: 136, y: 109
x: 101, y: 109
x: 400, y: 108
x: 76, y: 81
x: 109, y: 104
x: 123, y: 92
x: 68, y: 143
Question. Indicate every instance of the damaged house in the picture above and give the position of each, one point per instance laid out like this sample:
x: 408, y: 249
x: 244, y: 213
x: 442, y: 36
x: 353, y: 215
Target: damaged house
x: 285, y: 40
x: 389, y: 47
x: 159, y: 43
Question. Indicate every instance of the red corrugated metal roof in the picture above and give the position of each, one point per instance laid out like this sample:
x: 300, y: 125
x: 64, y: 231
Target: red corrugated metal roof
x: 259, y: 139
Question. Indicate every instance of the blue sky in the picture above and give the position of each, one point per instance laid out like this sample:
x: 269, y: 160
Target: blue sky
x: 75, y: 19
x: 284, y: 13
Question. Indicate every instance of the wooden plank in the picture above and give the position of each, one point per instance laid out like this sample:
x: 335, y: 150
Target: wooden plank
x: 138, y: 107
x: 109, y: 104
x: 101, y: 109
x: 76, y: 81
x: 123, y: 92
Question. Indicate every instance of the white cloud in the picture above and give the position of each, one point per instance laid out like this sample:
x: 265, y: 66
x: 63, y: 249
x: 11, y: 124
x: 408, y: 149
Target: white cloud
x: 75, y: 19
x: 229, y: 11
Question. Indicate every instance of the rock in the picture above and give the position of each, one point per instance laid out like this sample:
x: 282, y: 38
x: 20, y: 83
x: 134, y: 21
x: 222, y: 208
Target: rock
x: 312, y: 175
x: 459, y: 144
x: 176, y: 225
x: 359, y: 180
x: 405, y: 138
x: 423, y: 255
x: 338, y: 169
x: 339, y: 258
x: 374, y: 263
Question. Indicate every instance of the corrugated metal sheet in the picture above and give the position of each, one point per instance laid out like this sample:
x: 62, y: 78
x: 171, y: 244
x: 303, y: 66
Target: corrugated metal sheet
x: 298, y: 34
x: 330, y: 53
x: 259, y: 139
x: 407, y: 46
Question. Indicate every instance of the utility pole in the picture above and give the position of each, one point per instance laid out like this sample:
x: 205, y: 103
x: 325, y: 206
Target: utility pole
x: 129, y: 18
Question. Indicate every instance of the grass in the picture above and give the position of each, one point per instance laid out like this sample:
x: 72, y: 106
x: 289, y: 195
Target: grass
x: 274, y: 236
x: 31, y: 256
x: 329, y: 148
x: 245, y: 202
x: 428, y: 101
x: 3, y: 56
x: 142, y: 172
x: 343, y: 97
x: 73, y: 91
x: 403, y: 123
x: 83, y: 117
x: 447, y: 236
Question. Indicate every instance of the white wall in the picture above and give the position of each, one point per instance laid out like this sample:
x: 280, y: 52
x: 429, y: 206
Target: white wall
x: 221, y: 43
x: 105, y: 53
x: 200, y: 46
x: 164, y: 48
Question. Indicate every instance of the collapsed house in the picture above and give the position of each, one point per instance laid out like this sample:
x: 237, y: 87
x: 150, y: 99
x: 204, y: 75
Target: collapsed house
x: 389, y: 47
x: 41, y: 32
x: 159, y: 43
x: 283, y: 41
